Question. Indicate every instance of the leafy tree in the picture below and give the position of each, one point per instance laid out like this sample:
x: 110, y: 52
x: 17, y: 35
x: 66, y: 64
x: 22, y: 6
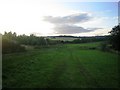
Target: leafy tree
x: 115, y: 37
x: 9, y: 43
x: 10, y: 46
x: 9, y: 35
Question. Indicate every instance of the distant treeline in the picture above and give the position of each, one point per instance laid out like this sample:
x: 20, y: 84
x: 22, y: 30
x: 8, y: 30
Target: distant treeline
x: 79, y: 36
x: 11, y: 42
x: 89, y: 39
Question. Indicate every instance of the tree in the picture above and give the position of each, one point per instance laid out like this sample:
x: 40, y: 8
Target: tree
x: 9, y: 35
x: 115, y: 37
x: 9, y: 43
x: 10, y: 46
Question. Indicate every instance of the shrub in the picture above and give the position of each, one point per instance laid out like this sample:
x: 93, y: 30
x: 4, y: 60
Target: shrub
x: 104, y: 46
x: 92, y: 48
x: 9, y: 46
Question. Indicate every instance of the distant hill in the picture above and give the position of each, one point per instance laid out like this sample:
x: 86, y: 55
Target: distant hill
x: 71, y: 38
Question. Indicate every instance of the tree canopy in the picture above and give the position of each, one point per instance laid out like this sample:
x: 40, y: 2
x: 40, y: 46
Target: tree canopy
x: 115, y: 37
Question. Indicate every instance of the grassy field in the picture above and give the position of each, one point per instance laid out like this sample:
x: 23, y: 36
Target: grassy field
x: 62, y: 66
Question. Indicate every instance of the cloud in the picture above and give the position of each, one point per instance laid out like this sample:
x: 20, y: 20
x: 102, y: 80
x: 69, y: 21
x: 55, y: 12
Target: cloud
x: 68, y: 24
x: 72, y: 29
x: 94, y: 28
x: 70, y: 19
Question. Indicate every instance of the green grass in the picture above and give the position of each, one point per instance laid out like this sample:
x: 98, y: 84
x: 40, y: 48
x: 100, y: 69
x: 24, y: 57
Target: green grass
x: 92, y: 44
x: 65, y: 66
x: 64, y: 38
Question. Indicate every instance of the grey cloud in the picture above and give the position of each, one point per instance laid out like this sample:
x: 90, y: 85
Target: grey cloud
x: 66, y: 24
x: 94, y: 28
x: 71, y: 19
x: 71, y: 29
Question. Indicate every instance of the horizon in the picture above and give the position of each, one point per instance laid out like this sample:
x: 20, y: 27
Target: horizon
x: 54, y: 35
x: 55, y: 18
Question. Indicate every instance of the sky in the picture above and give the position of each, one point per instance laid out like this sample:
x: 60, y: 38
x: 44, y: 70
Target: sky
x: 57, y: 17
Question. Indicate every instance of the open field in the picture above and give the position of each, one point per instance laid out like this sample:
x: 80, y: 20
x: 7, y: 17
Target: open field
x: 63, y: 38
x: 65, y: 66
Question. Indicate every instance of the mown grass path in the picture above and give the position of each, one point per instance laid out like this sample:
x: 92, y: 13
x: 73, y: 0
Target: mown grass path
x: 61, y: 67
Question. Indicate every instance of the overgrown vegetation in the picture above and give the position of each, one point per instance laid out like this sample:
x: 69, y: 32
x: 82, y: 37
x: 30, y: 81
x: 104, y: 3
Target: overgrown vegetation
x: 11, y: 46
x: 13, y: 43
x: 9, y: 43
x: 112, y: 44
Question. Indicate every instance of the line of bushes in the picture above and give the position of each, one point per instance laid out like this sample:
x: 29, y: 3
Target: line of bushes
x: 9, y: 46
